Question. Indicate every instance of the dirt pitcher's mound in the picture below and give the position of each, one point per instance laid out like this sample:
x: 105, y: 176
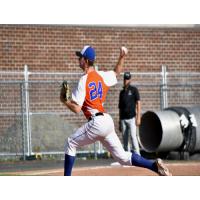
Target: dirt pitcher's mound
x: 113, y: 171
x: 177, y: 169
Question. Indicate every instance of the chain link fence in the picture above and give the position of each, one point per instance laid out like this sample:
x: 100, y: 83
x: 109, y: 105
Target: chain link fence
x: 33, y: 120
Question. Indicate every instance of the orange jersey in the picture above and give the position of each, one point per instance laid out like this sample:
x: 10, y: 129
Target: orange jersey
x: 92, y: 90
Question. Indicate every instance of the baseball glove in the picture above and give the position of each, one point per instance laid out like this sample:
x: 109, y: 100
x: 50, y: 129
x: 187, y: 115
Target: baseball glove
x: 65, y: 92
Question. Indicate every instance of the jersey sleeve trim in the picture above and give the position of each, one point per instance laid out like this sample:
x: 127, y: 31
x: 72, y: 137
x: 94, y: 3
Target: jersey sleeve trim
x: 109, y: 77
x: 79, y: 93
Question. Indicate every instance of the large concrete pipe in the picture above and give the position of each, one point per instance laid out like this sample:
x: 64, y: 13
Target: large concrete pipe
x: 184, y: 119
x: 190, y: 125
x: 160, y: 131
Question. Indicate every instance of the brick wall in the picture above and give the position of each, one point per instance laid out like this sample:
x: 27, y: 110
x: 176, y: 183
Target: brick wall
x: 51, y: 48
x: 48, y: 47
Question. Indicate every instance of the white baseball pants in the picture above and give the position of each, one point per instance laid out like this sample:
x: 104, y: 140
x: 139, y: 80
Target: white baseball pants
x: 100, y: 128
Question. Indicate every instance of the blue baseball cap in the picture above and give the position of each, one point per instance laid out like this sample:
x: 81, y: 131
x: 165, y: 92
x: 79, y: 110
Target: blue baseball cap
x: 87, y: 52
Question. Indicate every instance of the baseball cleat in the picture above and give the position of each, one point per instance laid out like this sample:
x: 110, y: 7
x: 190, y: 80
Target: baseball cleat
x: 162, y: 169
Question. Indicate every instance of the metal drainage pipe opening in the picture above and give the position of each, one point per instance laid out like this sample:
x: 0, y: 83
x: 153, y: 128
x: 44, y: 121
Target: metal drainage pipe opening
x: 160, y: 131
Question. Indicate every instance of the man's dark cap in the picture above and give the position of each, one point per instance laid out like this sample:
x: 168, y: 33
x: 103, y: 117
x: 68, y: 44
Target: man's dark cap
x: 127, y: 75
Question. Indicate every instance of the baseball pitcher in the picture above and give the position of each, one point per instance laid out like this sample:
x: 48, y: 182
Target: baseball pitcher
x: 89, y: 96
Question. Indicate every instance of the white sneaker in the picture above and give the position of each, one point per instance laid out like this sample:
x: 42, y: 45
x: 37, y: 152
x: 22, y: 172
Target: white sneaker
x: 162, y: 169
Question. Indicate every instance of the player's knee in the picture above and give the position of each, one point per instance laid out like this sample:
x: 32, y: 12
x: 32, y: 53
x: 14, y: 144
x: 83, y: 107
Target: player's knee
x: 70, y: 149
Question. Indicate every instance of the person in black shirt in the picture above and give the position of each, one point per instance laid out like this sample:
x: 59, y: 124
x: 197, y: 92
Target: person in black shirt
x: 129, y: 113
